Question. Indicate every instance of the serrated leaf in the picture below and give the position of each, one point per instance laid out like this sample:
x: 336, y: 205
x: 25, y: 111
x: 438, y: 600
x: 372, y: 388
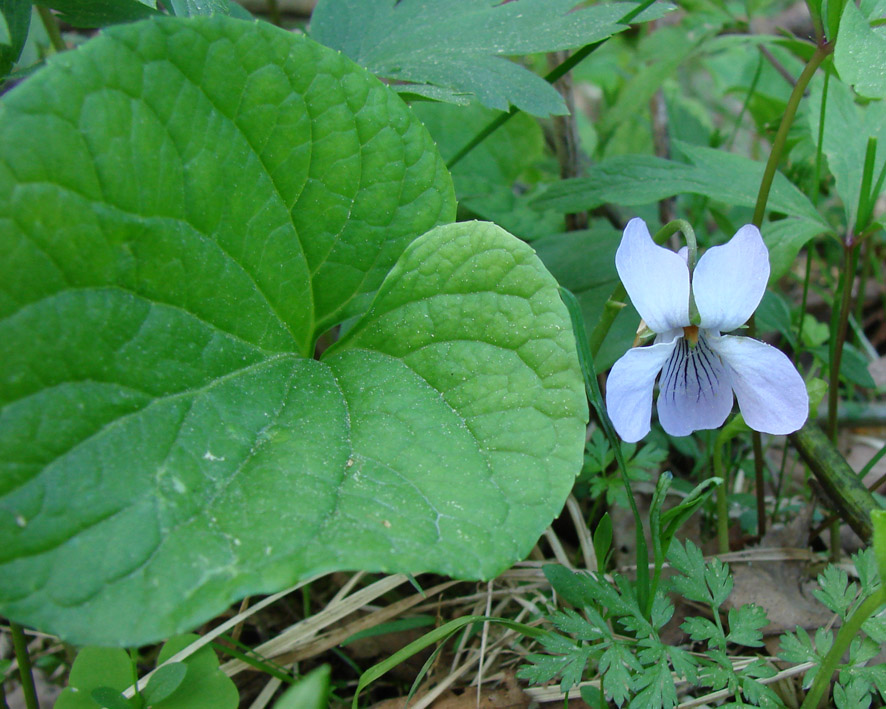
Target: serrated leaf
x: 859, y: 53
x: 569, y: 621
x: 797, y: 647
x: 99, y: 13
x: 662, y: 611
x: 835, y: 591
x: 684, y: 663
x: 578, y: 588
x: 700, y: 629
x: 656, y: 685
x: 616, y: 665
x: 865, y: 560
x: 189, y: 204
x: 569, y: 666
x: 462, y: 45
x: 745, y: 624
x: 689, y: 561
x: 719, y: 580
x: 855, y: 695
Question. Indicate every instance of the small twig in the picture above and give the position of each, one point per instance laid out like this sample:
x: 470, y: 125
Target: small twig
x: 777, y: 65
x: 658, y: 110
x: 851, y: 499
x: 565, y: 139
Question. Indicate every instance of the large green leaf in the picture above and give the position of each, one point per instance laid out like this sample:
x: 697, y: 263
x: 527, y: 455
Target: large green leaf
x: 642, y: 179
x: 187, y: 8
x: 186, y: 205
x: 859, y: 55
x: 458, y: 48
x: 99, y: 13
x: 847, y: 128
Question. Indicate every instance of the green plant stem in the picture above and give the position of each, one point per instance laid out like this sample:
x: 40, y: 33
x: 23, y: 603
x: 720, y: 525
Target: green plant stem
x: 778, y: 144
x: 722, y: 506
x: 837, y: 342
x: 552, y: 76
x: 781, y: 136
x: 845, y: 635
x: 611, y: 310
x: 759, y: 483
x: 592, y: 389
x: 20, y: 644
x: 52, y: 28
x: 803, y: 301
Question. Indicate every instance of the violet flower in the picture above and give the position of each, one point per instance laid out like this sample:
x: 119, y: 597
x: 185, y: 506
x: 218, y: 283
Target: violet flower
x: 700, y: 368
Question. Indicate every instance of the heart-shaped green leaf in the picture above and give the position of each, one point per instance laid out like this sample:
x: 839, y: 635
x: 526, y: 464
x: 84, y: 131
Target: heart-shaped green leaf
x: 187, y: 205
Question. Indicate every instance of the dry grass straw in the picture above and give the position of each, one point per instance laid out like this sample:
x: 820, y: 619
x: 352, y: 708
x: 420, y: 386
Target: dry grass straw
x: 521, y: 592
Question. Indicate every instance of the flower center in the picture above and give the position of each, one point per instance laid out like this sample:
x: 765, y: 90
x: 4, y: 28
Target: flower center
x: 691, y: 334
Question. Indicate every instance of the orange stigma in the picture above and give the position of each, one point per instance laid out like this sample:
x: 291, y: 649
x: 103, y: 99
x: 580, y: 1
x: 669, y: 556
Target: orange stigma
x: 691, y: 334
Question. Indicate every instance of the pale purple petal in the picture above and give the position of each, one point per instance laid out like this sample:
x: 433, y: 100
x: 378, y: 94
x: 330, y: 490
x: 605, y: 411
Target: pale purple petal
x: 729, y: 280
x: 657, y: 279
x: 770, y: 391
x: 629, y: 389
x: 695, y: 391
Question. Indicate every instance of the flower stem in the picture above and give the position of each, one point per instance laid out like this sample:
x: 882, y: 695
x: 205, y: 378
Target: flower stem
x: 821, y: 53
x: 592, y: 389
x: 722, y: 506
x: 847, y: 275
x: 847, y: 632
x: 20, y: 643
x: 685, y: 227
x: 778, y: 144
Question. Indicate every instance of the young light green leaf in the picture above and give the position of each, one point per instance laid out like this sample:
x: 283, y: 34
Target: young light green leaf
x: 602, y: 540
x: 95, y: 667
x: 213, y: 196
x: 164, y: 682
x: 859, y: 54
x: 310, y: 692
x: 462, y: 45
x: 204, y: 685
x: 108, y: 698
